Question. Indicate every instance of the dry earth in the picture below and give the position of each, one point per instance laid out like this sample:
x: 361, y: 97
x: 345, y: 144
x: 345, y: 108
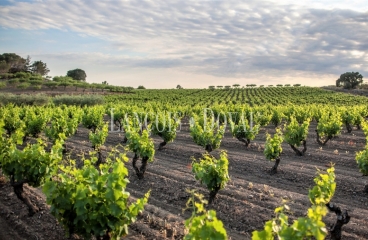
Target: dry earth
x: 244, y: 205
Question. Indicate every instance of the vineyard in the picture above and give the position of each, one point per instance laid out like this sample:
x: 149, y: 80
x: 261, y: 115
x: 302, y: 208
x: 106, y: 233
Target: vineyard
x: 254, y: 163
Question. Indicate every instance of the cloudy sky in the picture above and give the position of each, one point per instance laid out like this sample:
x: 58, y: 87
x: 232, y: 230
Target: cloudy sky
x: 163, y: 43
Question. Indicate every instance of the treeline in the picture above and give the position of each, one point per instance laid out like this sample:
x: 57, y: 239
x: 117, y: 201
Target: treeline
x: 21, y: 73
x: 251, y: 86
x: 13, y: 63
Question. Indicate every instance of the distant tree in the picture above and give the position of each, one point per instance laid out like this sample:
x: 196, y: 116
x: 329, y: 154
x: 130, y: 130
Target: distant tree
x: 36, y: 84
x: 270, y: 85
x: 64, y: 81
x: 179, y: 87
x: 236, y: 85
x: 11, y: 62
x: 13, y: 82
x: 34, y: 77
x: 287, y: 85
x: 27, y: 64
x: 51, y: 84
x: 24, y: 85
x: 127, y: 89
x: 349, y: 80
x: 297, y: 85
x: 113, y: 88
x: 105, y: 83
x: 101, y: 86
x: 141, y: 87
x: 211, y: 87
x: 93, y: 86
x: 83, y: 85
x: 4, y: 67
x: 261, y: 85
x: 22, y: 75
x: 77, y: 74
x: 227, y: 87
x: 2, y: 84
x: 39, y: 67
x: 279, y: 85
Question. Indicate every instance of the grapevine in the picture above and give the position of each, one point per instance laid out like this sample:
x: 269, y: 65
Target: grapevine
x: 296, y: 134
x: 94, y: 202
x: 206, y: 134
x: 328, y: 126
x: 142, y: 146
x: 165, y: 126
x: 303, y: 227
x: 203, y: 224
x: 273, y: 149
x: 212, y: 172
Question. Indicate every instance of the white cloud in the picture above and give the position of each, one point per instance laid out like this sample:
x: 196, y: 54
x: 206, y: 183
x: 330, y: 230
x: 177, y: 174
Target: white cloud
x: 229, y: 39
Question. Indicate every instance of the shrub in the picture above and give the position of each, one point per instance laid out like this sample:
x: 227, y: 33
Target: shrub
x: 79, y: 100
x: 24, y: 85
x: 212, y: 172
x: 24, y: 99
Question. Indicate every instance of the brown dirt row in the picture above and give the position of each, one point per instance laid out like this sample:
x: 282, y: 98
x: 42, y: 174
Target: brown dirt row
x: 244, y: 205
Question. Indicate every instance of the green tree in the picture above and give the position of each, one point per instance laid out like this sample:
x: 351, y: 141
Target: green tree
x: 51, y: 84
x: 349, y: 80
x: 63, y: 81
x: 2, y: 85
x: 39, y: 67
x: 24, y: 85
x: 141, y: 87
x: 77, y: 74
x: 11, y: 62
x: 101, y: 86
x: 93, y: 86
x: 82, y: 85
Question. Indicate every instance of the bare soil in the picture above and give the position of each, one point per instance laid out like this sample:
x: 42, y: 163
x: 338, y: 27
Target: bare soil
x: 244, y: 205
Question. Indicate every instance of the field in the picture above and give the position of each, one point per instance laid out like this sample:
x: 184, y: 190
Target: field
x: 249, y: 198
